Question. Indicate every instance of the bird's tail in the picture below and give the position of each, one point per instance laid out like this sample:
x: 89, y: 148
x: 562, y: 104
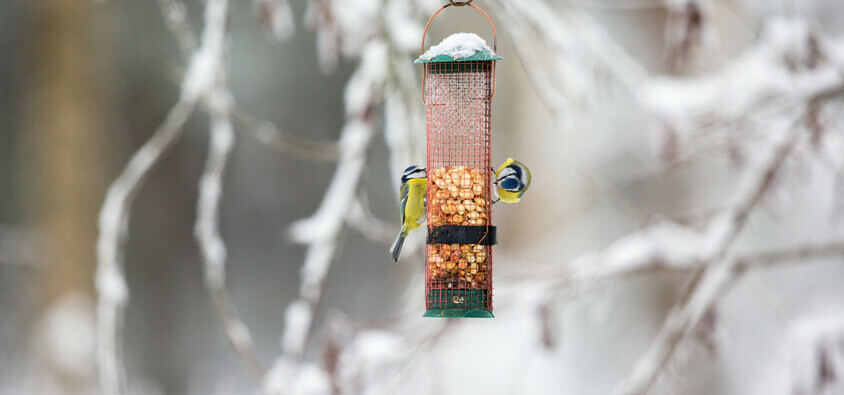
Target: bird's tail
x: 395, y: 251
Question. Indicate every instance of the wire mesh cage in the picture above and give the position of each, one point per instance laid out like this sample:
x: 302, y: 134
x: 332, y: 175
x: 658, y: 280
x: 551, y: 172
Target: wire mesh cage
x: 457, y: 94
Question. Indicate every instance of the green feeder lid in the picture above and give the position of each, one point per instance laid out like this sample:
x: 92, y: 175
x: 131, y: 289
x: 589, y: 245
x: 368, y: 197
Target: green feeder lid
x: 459, y: 47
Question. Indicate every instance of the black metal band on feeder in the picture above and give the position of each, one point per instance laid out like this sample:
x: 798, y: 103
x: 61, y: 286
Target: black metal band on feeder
x: 463, y: 234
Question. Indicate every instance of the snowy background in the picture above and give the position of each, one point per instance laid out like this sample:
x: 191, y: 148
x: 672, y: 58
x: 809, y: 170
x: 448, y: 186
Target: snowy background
x: 197, y: 197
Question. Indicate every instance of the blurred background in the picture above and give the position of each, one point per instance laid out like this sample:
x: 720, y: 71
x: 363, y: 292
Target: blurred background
x: 682, y: 233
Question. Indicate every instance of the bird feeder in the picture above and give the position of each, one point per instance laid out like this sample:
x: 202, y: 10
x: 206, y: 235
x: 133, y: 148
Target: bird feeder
x: 457, y: 89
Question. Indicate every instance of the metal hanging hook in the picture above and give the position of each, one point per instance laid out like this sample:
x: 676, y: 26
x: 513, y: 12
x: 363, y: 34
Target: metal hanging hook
x: 461, y: 4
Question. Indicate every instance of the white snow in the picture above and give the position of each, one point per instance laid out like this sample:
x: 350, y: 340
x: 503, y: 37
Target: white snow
x: 458, y: 46
x: 312, y: 380
x: 277, y: 17
x: 70, y: 335
x: 297, y: 319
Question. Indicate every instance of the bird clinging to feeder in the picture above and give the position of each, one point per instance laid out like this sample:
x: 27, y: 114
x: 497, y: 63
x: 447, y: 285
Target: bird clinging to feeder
x: 412, y: 205
x: 512, y: 180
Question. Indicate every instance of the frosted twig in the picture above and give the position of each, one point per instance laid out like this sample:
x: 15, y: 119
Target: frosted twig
x: 206, y: 229
x: 362, y: 219
x: 276, y: 17
x: 112, y: 290
x: 284, y: 141
x: 685, y: 29
x: 210, y: 61
x: 175, y: 17
x: 786, y: 255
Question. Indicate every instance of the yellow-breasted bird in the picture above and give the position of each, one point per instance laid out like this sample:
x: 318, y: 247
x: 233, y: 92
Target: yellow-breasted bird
x: 414, y: 186
x: 512, y: 181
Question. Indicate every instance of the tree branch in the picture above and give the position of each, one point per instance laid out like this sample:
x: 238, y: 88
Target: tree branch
x: 112, y: 290
x: 284, y: 141
x: 207, y: 234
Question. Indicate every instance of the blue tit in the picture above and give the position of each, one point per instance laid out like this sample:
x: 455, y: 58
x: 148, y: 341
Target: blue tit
x: 512, y: 181
x: 414, y: 186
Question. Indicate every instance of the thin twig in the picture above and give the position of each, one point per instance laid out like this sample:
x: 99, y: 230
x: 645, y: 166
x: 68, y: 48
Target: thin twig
x: 768, y: 259
x: 364, y: 221
x: 112, y: 290
x: 284, y: 141
x: 175, y: 17
x: 207, y: 234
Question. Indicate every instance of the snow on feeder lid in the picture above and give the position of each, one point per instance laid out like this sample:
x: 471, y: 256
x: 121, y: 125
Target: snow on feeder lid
x: 462, y: 47
x: 457, y: 88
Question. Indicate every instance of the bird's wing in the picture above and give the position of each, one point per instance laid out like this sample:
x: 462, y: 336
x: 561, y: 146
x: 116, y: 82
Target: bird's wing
x: 424, y: 215
x: 403, y: 203
x: 502, y: 167
x: 524, y: 173
x: 512, y: 184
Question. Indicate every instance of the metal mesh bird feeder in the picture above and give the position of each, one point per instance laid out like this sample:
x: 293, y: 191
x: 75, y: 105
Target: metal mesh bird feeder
x: 457, y: 90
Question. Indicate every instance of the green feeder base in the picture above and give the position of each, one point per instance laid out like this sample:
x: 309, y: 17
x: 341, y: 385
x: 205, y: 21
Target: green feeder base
x: 469, y: 303
x: 458, y: 313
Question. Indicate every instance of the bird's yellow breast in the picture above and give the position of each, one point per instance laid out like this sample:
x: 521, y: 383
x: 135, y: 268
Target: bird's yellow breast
x: 415, y: 208
x: 507, y: 196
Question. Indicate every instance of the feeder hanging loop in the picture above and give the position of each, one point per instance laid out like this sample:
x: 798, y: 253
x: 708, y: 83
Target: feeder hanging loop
x: 460, y: 3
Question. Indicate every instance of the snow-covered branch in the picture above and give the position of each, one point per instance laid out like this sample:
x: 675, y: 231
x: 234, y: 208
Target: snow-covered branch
x: 284, y: 141
x: 112, y: 290
x: 175, y: 17
x: 277, y: 18
x: 685, y: 29
x: 362, y: 219
x: 206, y: 229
